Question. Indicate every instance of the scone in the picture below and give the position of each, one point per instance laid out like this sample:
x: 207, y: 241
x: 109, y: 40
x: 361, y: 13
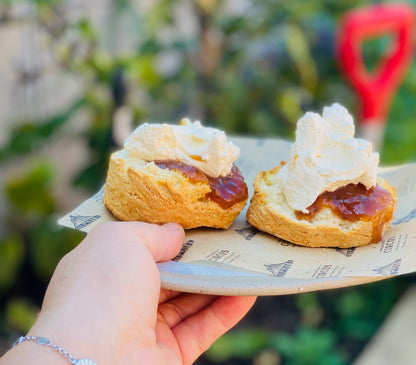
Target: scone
x: 328, y: 194
x: 269, y: 212
x: 176, y: 173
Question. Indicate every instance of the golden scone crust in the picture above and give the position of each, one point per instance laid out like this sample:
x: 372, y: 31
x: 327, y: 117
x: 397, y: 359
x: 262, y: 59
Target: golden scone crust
x: 150, y: 194
x: 269, y: 212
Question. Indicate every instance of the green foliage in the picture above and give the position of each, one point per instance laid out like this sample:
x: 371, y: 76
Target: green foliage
x: 20, y: 314
x: 361, y: 310
x: 308, y: 346
x: 311, y: 309
x: 400, y: 136
x: 31, y: 191
x: 333, y: 325
x: 12, y: 252
x: 29, y: 136
x: 355, y: 311
x: 306, y: 301
x: 241, y: 344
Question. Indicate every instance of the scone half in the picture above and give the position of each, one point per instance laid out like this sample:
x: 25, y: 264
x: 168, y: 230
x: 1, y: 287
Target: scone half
x: 145, y: 192
x: 269, y: 212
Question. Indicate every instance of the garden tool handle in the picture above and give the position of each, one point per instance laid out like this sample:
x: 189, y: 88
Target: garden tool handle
x: 376, y: 89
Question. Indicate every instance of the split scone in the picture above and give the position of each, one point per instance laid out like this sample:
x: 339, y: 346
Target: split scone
x: 176, y: 173
x: 328, y: 194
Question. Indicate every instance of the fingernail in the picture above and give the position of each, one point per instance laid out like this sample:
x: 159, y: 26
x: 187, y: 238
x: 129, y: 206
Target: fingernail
x: 173, y: 227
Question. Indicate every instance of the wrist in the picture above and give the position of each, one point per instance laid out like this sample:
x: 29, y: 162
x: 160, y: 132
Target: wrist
x: 43, y: 341
x: 66, y: 336
x: 33, y: 354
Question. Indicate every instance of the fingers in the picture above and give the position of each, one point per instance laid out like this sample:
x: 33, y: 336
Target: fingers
x: 197, y: 332
x: 168, y: 294
x: 183, y: 305
x: 163, y: 242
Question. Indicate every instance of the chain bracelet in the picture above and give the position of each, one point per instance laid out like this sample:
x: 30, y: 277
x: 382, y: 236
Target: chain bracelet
x: 43, y: 341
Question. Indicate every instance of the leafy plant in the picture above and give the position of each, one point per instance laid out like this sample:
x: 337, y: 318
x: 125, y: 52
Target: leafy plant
x: 20, y: 314
x: 31, y: 192
x: 243, y: 344
x: 12, y: 252
x: 308, y: 346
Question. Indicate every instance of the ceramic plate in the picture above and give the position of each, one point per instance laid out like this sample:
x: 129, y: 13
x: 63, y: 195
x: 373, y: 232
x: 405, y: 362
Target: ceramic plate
x: 243, y: 261
x: 206, y: 280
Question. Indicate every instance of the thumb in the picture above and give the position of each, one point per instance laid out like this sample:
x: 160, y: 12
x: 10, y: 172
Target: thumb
x: 163, y: 242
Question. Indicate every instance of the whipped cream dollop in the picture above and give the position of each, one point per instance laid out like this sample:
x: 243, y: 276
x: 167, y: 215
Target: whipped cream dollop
x: 326, y: 156
x: 190, y: 143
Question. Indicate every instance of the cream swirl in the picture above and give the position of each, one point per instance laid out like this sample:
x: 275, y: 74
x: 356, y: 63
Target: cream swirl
x: 326, y: 156
x: 190, y: 143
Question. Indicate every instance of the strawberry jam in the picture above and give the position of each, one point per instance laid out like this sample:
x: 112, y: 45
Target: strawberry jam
x: 354, y: 202
x: 225, y: 190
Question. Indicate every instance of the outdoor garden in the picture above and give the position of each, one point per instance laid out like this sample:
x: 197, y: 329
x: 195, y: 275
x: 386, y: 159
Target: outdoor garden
x: 248, y: 67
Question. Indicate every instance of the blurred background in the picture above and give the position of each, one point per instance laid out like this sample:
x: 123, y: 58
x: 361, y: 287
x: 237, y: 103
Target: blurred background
x: 77, y: 75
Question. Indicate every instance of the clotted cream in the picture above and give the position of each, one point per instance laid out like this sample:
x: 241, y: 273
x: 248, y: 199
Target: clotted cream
x: 326, y: 156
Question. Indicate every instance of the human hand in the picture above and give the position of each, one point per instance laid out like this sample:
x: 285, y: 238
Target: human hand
x: 104, y: 301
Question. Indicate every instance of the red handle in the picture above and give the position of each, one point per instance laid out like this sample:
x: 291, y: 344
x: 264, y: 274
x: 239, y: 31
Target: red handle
x: 376, y: 89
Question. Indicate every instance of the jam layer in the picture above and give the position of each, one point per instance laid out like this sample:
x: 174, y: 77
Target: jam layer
x: 225, y: 190
x: 354, y: 202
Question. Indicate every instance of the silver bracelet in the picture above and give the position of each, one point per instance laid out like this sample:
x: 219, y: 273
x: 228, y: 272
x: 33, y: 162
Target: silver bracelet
x: 45, y: 342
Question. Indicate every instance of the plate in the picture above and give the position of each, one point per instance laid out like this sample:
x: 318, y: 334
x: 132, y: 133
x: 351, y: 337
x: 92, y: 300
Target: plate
x: 244, y: 261
x: 205, y: 280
